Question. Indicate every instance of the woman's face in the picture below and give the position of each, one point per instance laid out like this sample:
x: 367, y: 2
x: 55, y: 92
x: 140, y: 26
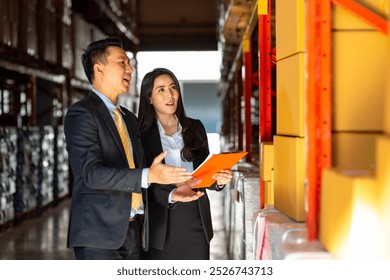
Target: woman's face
x: 164, y: 96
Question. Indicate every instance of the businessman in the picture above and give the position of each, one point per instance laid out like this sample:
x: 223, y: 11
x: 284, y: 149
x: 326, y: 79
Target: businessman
x: 108, y: 165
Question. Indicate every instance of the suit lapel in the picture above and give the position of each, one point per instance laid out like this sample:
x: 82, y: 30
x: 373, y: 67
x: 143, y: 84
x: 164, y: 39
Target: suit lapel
x: 154, y: 141
x: 106, y: 116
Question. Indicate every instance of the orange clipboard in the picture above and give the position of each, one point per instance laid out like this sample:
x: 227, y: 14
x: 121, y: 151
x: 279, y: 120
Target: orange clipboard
x: 214, y: 163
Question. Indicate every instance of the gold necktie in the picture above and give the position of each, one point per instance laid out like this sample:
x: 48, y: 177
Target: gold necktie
x: 136, y: 197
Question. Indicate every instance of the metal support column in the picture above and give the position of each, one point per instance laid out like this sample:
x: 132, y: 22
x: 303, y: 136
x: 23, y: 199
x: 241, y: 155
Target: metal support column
x: 264, y: 12
x: 319, y: 108
x: 265, y: 101
x: 247, y: 54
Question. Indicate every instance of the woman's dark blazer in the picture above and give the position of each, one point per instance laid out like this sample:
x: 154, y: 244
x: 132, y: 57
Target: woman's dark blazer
x: 158, y: 196
x: 103, y: 182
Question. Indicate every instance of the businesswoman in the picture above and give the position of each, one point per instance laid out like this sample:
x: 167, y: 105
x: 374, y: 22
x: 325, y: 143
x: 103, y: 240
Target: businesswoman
x: 179, y: 228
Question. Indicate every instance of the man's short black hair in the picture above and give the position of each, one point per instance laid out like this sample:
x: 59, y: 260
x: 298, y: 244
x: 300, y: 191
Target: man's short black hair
x: 96, y: 51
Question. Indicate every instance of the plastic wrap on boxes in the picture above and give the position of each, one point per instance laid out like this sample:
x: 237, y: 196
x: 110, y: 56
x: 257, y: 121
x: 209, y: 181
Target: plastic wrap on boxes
x: 245, y: 176
x: 228, y: 209
x: 8, y: 166
x: 249, y: 186
x: 263, y: 243
x: 238, y: 226
x: 47, y: 161
x: 62, y: 163
x: 277, y: 237
x: 31, y: 154
x: 231, y: 198
x: 30, y: 162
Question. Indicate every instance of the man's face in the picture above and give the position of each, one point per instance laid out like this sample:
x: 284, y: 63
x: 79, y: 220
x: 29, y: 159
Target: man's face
x: 116, y: 73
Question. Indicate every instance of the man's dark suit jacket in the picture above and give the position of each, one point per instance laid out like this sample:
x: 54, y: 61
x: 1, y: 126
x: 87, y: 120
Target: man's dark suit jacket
x: 158, y: 196
x: 103, y: 182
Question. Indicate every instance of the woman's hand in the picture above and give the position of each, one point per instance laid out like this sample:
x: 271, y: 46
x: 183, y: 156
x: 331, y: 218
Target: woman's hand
x: 223, y: 176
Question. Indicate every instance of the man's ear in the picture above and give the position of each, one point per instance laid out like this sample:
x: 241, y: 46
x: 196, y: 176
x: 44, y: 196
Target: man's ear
x: 98, y: 69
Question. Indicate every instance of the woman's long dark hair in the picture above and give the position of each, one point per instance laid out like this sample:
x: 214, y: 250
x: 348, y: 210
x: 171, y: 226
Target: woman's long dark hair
x: 193, y: 140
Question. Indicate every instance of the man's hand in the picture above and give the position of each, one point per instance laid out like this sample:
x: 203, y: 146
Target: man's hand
x: 165, y: 174
x: 185, y: 193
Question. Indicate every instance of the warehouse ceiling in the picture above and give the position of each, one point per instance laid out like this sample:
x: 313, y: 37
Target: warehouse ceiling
x: 155, y: 25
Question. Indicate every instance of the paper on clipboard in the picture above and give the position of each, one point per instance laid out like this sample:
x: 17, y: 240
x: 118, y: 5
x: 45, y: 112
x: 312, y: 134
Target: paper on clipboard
x: 214, y: 163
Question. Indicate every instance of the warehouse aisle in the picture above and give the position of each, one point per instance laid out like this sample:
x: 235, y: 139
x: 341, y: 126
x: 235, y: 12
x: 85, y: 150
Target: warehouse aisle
x: 44, y: 237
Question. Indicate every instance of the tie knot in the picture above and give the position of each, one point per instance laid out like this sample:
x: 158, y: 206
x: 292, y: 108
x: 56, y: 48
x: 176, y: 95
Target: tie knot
x: 117, y: 112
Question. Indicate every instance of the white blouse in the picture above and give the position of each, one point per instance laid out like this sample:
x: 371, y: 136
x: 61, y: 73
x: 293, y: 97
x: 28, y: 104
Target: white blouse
x: 173, y: 144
